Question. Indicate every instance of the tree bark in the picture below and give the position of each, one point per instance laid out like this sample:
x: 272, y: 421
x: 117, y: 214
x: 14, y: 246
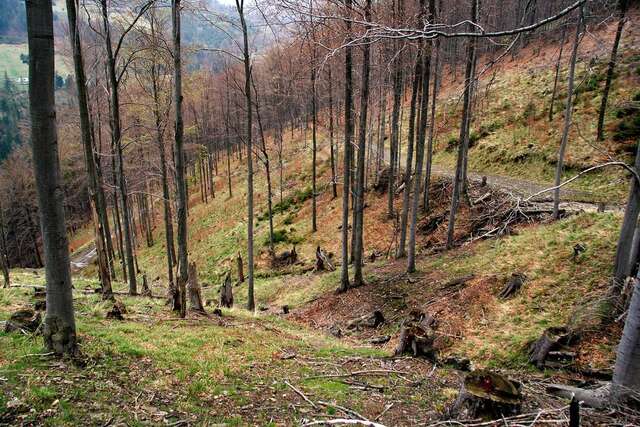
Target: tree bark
x: 251, y: 305
x: 117, y: 137
x: 626, y: 374
x: 348, y: 137
x: 59, y: 326
x: 358, y: 233
x: 422, y: 130
x: 463, y: 147
x: 395, y: 119
x: 4, y: 256
x: 567, y: 116
x: 334, y: 182
x: 622, y: 6
x: 629, y: 223
x: 554, y: 93
x: 434, y: 97
x: 183, y: 263
x: 415, y: 91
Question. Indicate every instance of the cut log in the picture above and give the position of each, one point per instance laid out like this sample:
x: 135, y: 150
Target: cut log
x: 457, y: 283
x: 193, y: 288
x: 513, y: 285
x: 323, y: 261
x: 380, y: 340
x: 226, y: 292
x: 371, y: 320
x: 459, y: 363
x: 487, y: 395
x: 553, y: 341
x: 117, y: 312
x: 417, y: 341
x: 335, y: 331
x: 597, y: 398
x: 27, y: 321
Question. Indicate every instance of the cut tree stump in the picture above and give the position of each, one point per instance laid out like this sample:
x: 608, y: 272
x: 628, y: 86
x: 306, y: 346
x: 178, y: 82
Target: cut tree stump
x: 513, y: 285
x: 117, y: 312
x: 240, y: 268
x: 146, y: 291
x: 226, y: 292
x: 550, y: 350
x: 285, y: 259
x: 194, y: 291
x: 487, y: 395
x: 371, y: 320
x: 23, y: 321
x: 417, y: 340
x: 323, y: 261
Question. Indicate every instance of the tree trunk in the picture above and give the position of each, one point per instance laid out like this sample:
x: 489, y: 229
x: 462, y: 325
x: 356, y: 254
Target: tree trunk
x: 463, y: 147
x: 554, y: 93
x: 195, y: 294
x: 4, y: 256
x: 348, y: 137
x: 334, y: 182
x: 434, y: 97
x: 251, y: 305
x: 59, y: 326
x: 629, y: 223
x: 358, y: 226
x: 626, y: 375
x: 567, y: 116
x: 422, y: 129
x: 622, y: 5
x: 395, y: 118
x: 314, y: 124
x: 417, y: 80
x: 117, y: 137
x: 183, y: 263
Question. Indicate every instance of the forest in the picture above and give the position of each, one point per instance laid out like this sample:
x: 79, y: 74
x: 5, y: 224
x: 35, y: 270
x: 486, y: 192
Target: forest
x: 319, y: 212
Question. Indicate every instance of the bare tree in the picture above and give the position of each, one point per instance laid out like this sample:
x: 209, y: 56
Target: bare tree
x: 183, y: 262
x: 348, y: 140
x: 59, y: 326
x: 358, y: 226
x: 246, y: 55
x: 567, y: 115
x: 622, y: 7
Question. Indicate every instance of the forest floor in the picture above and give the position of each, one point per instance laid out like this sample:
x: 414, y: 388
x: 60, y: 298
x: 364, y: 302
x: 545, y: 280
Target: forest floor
x: 271, y: 368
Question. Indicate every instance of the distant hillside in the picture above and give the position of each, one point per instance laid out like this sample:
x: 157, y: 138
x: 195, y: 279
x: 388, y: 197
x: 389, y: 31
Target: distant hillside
x: 13, y: 22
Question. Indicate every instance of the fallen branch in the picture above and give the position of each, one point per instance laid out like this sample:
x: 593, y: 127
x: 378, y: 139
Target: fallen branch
x: 339, y: 421
x: 301, y: 394
x: 356, y: 373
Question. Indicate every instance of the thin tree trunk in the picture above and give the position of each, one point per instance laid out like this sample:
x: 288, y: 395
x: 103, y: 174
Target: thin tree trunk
x: 314, y: 125
x: 395, y: 119
x: 417, y: 80
x: 251, y: 305
x: 348, y: 137
x: 622, y: 5
x: 358, y: 233
x: 183, y: 263
x: 554, y: 93
x: 59, y: 325
x: 422, y: 130
x: 117, y: 136
x: 334, y: 183
x: 567, y: 116
x: 90, y: 165
x: 432, y: 121
x: 4, y: 256
x: 458, y: 182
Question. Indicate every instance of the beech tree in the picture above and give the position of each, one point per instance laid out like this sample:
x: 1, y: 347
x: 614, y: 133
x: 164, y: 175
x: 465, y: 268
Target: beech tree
x: 183, y: 262
x: 59, y: 330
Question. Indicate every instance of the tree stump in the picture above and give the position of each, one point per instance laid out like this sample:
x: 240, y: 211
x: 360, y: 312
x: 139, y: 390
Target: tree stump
x: 513, y: 285
x: 146, y: 291
x: 323, y: 261
x: 284, y: 259
x: 550, y: 350
x: 487, y: 395
x: 117, y: 312
x: 226, y: 292
x: 371, y: 320
x: 23, y: 320
x: 416, y: 340
x: 240, y: 268
x: 195, y: 295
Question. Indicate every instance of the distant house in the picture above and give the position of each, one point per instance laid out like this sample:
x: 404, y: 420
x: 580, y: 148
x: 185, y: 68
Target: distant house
x: 22, y: 80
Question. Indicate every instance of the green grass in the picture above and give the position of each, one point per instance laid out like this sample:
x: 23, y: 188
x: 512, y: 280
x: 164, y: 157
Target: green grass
x: 11, y: 63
